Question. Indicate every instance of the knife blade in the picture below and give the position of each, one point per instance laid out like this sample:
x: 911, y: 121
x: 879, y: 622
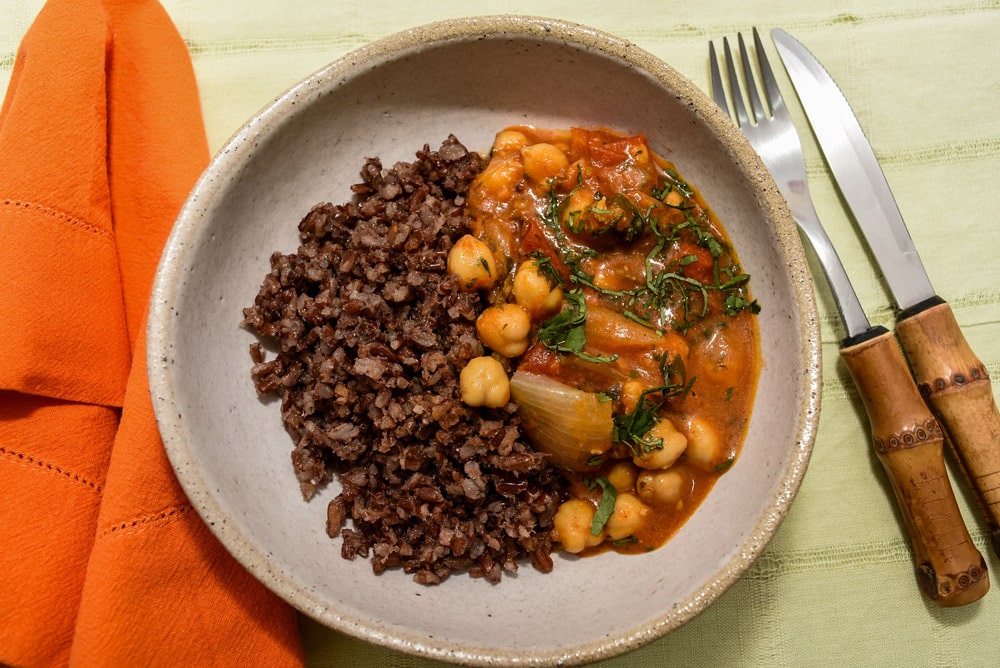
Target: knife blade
x: 857, y: 172
x: 908, y: 439
x: 951, y: 378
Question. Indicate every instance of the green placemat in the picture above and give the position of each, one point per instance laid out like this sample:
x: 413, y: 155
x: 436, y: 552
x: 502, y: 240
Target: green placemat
x: 836, y: 585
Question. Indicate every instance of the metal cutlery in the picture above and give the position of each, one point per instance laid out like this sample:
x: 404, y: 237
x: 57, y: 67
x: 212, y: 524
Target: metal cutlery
x: 908, y: 439
x: 952, y: 379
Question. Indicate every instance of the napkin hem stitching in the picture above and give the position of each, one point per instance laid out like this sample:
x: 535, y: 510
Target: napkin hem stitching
x: 139, y: 524
x: 61, y: 215
x: 32, y: 462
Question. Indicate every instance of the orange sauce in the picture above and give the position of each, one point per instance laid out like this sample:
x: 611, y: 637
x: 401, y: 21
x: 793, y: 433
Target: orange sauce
x: 668, y: 309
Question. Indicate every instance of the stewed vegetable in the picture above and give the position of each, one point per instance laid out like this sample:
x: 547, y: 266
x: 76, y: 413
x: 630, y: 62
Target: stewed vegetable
x: 620, y: 322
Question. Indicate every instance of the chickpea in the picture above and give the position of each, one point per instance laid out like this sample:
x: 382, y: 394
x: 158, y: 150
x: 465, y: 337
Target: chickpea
x: 501, y: 177
x: 628, y: 516
x: 673, y: 446
x: 577, y: 203
x: 641, y: 155
x: 509, y: 141
x: 631, y: 391
x: 660, y: 488
x: 534, y: 292
x: 504, y: 329
x: 543, y: 161
x: 703, y: 444
x: 472, y: 261
x: 483, y: 382
x: 572, y: 524
x: 622, y: 477
x: 674, y: 198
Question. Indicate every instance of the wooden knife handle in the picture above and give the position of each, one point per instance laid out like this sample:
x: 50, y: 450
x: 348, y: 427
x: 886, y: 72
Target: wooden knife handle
x: 956, y: 385
x: 909, y: 443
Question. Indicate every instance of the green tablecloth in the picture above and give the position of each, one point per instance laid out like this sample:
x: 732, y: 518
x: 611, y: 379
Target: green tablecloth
x: 836, y: 585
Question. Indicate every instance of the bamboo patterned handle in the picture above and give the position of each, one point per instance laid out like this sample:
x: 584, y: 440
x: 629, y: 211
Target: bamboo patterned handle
x: 909, y: 443
x: 956, y: 385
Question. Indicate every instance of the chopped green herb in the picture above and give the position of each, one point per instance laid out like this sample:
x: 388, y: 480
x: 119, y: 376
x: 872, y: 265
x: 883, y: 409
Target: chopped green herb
x: 734, y: 280
x: 544, y: 265
x: 735, y: 303
x: 713, y: 245
x: 635, y: 318
x: 675, y: 380
x: 627, y: 540
x: 564, y: 332
x: 605, y: 506
x: 637, y: 222
x: 661, y: 192
x: 682, y: 187
x: 632, y: 428
x: 724, y: 465
x: 574, y: 222
x: 668, y: 297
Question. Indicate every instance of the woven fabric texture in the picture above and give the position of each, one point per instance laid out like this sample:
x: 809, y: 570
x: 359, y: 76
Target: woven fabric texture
x: 836, y: 585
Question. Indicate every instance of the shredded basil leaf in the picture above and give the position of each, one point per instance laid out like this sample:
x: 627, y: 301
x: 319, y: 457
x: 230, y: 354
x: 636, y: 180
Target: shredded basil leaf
x: 631, y: 428
x: 724, y: 465
x: 564, y: 332
x: 544, y: 265
x: 735, y: 303
x: 605, y: 506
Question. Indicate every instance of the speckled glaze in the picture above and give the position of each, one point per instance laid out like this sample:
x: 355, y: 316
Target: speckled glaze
x: 468, y: 77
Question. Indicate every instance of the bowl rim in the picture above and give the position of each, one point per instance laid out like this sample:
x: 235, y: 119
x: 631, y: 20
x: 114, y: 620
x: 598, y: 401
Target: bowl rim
x: 264, y: 123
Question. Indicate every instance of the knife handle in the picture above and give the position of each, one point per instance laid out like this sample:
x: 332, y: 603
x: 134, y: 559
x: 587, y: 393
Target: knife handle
x: 909, y: 443
x: 956, y: 385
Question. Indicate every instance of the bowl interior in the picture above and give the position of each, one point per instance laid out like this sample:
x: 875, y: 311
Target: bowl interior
x: 470, y: 78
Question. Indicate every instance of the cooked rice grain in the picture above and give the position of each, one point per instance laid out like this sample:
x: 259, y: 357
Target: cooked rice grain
x: 372, y: 334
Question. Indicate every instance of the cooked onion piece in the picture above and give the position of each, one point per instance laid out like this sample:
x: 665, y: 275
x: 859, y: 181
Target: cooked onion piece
x: 572, y: 426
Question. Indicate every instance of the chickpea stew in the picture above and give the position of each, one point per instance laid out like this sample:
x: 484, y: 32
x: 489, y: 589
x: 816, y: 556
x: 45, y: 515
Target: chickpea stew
x: 620, y: 323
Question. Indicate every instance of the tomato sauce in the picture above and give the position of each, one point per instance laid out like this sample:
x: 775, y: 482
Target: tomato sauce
x: 657, y: 318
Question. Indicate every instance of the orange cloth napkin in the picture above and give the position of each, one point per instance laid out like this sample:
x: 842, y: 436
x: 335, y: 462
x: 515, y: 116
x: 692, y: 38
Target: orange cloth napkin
x: 103, y: 561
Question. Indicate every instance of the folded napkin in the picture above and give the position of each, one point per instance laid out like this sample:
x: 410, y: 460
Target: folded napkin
x: 103, y: 561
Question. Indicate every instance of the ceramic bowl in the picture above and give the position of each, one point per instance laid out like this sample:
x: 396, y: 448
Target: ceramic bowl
x: 469, y: 77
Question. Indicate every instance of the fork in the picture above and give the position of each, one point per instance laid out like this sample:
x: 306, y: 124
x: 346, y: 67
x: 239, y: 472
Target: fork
x: 775, y: 139
x: 950, y: 570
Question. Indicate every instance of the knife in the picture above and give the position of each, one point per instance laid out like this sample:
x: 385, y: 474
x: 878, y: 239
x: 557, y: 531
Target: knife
x: 952, y: 380
x: 907, y: 438
x: 909, y: 443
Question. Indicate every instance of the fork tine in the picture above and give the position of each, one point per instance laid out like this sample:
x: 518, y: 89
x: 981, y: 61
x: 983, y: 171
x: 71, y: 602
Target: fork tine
x: 734, y: 86
x: 718, y: 91
x: 755, y: 105
x: 771, y: 90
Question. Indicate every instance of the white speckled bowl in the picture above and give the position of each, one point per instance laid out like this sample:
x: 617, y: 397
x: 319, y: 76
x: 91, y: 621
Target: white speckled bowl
x: 470, y: 77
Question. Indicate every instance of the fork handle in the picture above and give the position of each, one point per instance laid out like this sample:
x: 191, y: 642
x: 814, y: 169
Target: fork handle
x: 957, y: 386
x: 909, y: 444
